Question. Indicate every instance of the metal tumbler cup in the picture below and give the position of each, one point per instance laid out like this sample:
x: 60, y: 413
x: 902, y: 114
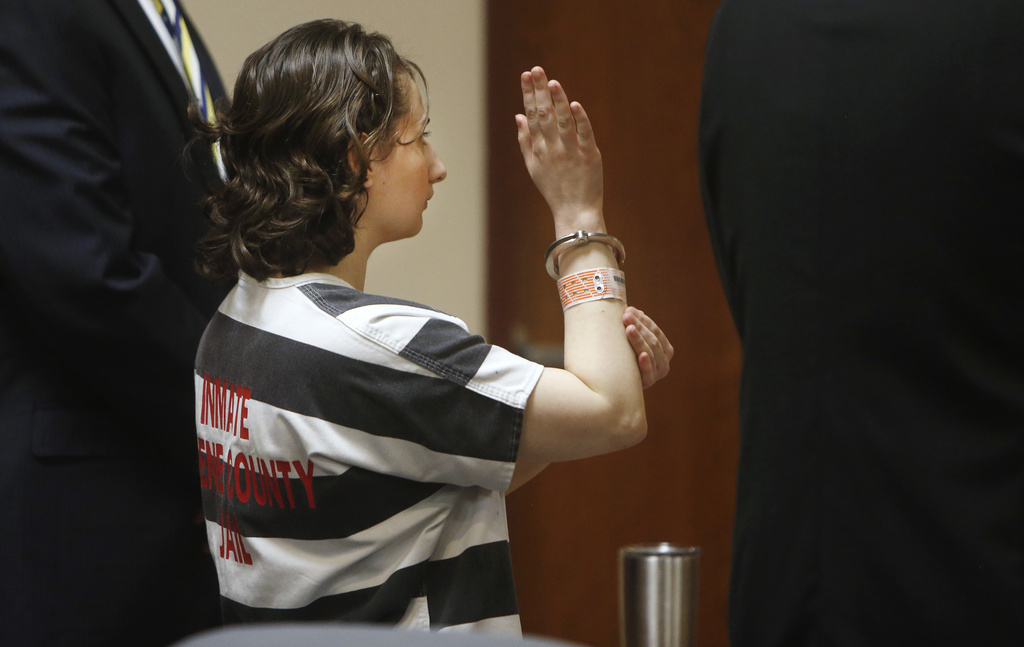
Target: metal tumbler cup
x: 658, y: 595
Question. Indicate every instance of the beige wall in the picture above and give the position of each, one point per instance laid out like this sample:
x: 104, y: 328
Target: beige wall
x: 443, y: 266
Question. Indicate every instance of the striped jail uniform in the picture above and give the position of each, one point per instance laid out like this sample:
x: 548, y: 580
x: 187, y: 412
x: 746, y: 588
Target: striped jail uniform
x: 354, y: 451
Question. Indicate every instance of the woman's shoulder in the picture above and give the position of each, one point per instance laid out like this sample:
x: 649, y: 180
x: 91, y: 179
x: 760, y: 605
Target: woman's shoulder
x: 339, y: 299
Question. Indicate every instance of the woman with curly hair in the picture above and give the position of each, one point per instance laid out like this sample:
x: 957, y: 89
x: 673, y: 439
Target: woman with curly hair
x: 355, y: 449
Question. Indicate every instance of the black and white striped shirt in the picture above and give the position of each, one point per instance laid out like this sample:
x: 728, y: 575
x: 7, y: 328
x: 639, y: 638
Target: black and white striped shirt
x: 353, y: 451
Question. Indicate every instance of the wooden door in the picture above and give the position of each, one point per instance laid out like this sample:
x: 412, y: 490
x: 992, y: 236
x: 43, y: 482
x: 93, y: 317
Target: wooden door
x: 637, y: 70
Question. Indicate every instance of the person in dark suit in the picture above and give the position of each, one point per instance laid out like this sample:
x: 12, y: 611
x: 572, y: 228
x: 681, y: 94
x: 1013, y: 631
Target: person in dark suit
x: 863, y: 174
x: 101, y: 312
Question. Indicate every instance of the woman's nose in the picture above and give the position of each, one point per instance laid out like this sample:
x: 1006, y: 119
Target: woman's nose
x: 437, y: 170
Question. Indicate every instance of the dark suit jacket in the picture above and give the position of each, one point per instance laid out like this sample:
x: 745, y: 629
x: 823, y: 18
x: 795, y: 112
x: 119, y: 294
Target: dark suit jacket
x: 863, y: 174
x: 101, y: 312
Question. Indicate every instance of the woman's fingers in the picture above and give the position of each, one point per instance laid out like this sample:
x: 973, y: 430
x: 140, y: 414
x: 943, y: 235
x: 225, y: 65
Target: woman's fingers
x: 543, y: 121
x: 525, y: 141
x: 584, y: 130
x: 548, y: 112
x: 653, y: 350
x: 564, y: 122
x: 550, y: 116
x: 557, y: 144
x: 530, y: 103
x: 643, y: 356
x: 655, y: 337
x: 650, y: 370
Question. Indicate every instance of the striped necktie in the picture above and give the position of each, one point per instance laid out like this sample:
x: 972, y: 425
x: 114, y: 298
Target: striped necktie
x: 189, y: 58
x: 195, y: 81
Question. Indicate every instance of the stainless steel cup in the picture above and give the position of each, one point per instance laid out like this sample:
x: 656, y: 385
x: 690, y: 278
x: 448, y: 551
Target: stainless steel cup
x: 658, y: 595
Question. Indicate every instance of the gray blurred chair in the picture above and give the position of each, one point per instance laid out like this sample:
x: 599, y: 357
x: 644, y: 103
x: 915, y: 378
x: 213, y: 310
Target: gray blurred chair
x: 339, y: 635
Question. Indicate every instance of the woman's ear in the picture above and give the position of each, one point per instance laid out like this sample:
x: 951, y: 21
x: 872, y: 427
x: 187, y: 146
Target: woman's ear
x: 356, y: 164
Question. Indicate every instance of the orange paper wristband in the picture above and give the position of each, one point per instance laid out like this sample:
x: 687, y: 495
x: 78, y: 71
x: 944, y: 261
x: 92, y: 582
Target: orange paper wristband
x: 591, y: 285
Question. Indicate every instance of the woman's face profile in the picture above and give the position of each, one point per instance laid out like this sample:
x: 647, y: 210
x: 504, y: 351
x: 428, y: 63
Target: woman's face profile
x: 399, y: 186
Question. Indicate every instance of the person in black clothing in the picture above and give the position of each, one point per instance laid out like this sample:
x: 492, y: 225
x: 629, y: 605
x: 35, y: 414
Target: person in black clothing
x: 863, y: 175
x: 101, y: 312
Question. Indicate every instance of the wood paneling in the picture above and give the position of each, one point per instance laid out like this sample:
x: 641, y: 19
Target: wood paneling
x: 637, y: 72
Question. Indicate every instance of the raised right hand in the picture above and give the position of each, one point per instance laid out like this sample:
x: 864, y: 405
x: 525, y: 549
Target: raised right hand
x: 557, y: 143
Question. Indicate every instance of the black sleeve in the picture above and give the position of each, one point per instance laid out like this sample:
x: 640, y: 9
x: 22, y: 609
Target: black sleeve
x: 83, y: 266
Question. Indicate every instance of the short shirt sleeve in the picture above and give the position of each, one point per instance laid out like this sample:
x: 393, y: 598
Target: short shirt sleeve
x: 439, y: 388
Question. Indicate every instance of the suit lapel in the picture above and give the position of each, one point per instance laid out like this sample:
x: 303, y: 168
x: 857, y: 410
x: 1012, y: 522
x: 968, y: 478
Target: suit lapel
x: 139, y: 24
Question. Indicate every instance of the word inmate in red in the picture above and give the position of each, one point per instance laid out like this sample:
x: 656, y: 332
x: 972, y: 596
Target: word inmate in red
x: 225, y: 406
x: 239, y: 476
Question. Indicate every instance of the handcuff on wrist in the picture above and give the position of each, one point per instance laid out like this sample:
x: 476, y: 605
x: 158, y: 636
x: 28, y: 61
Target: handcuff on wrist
x: 579, y: 239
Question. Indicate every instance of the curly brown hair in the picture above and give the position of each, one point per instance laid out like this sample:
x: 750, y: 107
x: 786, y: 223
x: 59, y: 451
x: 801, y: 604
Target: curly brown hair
x: 311, y: 110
